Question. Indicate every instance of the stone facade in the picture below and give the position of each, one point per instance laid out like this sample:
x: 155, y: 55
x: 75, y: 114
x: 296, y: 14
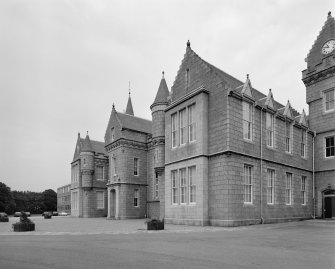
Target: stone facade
x: 64, y: 199
x: 216, y: 152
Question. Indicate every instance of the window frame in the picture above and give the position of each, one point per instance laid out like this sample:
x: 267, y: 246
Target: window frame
x: 136, y: 166
x: 270, y: 131
x: 271, y: 177
x: 288, y: 188
x: 174, y: 187
x: 191, y: 123
x: 303, y: 143
x: 248, y: 187
x: 331, y: 147
x: 303, y: 189
x: 325, y: 102
x: 192, y: 186
x: 102, y: 205
x: 183, y: 127
x: 174, y: 130
x: 183, y: 186
x: 247, y: 123
x: 98, y: 173
x: 288, y: 137
x: 156, y: 186
x: 136, y: 197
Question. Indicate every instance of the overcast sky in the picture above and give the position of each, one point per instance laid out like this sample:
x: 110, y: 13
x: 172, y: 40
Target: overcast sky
x: 64, y: 63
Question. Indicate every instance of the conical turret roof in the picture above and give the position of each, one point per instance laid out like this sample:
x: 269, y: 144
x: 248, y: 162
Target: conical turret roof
x: 129, y: 109
x: 87, y: 146
x: 162, y: 93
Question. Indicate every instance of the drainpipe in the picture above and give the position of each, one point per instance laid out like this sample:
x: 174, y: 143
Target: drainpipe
x: 313, y: 171
x: 261, y: 173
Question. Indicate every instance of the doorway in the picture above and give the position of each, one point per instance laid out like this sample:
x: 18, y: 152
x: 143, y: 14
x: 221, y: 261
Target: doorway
x: 329, y: 204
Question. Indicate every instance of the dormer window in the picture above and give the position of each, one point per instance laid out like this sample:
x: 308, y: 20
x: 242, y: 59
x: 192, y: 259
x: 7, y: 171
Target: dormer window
x: 329, y: 100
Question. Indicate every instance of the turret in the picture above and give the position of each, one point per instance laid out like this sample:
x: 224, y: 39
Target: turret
x: 158, y: 124
x: 87, y: 163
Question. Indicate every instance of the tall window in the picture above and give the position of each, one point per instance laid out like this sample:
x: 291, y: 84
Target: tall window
x: 288, y: 137
x: 191, y: 123
x: 288, y: 190
x: 135, y: 166
x: 100, y: 172
x: 136, y: 197
x: 182, y: 127
x: 269, y: 129
x: 330, y: 146
x: 192, y: 184
x: 174, y: 129
x: 112, y: 134
x: 303, y: 143
x: 183, y: 185
x: 303, y: 189
x: 174, y: 183
x: 329, y: 100
x: 247, y: 184
x: 74, y: 203
x: 247, y: 121
x: 156, y: 187
x: 270, y: 187
x: 114, y: 166
x: 75, y: 173
x: 100, y: 200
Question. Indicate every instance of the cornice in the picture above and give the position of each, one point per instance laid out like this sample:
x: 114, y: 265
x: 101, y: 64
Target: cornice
x: 316, y: 77
x: 126, y: 143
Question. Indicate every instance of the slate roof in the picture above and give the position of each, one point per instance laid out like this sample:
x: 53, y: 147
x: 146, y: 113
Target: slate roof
x: 162, y: 93
x: 135, y: 123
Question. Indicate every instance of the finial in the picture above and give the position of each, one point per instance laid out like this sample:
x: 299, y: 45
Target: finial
x: 329, y: 14
x: 78, y: 134
x: 247, y: 76
x: 188, y: 43
x: 163, y: 74
x: 269, y: 90
x: 113, y: 106
x: 86, y: 132
x: 129, y: 88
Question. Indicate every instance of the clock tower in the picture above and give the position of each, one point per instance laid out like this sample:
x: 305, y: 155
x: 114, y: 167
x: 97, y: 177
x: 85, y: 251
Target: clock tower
x: 319, y: 79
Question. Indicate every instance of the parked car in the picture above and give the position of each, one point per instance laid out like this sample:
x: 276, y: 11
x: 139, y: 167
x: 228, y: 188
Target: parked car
x: 17, y: 214
x: 47, y: 214
x: 3, y: 217
x: 28, y: 214
x: 55, y: 213
x: 62, y: 214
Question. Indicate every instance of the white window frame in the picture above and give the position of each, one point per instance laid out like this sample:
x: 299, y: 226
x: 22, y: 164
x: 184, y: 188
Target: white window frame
x: 192, y: 184
x: 303, y: 190
x: 136, y: 166
x: 191, y: 124
x: 270, y: 121
x: 288, y: 189
x: 331, y: 102
x: 303, y: 143
x: 183, y: 186
x: 247, y: 116
x: 182, y: 127
x: 100, y: 200
x: 174, y: 187
x: 330, y: 147
x: 271, y: 175
x: 288, y: 137
x: 174, y: 130
x: 248, y: 183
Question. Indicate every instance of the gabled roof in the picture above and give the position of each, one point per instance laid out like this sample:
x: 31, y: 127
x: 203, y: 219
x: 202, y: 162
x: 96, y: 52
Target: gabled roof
x: 247, y: 89
x: 269, y: 100
x: 134, y: 123
x: 288, y: 110
x: 96, y: 146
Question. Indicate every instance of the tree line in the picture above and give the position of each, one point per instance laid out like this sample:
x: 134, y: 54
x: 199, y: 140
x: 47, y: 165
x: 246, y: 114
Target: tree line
x: 34, y: 202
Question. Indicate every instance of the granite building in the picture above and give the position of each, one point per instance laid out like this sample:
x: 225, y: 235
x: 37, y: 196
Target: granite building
x: 217, y: 151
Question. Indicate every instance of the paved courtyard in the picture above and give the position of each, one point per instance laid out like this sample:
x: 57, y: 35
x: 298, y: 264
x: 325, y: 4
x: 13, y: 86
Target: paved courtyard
x: 66, y: 242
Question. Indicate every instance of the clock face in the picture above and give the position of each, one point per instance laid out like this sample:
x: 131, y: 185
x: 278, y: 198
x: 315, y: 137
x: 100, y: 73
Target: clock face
x: 328, y: 47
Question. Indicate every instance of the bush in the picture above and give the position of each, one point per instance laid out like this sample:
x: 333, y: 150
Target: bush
x: 155, y: 224
x: 24, y: 225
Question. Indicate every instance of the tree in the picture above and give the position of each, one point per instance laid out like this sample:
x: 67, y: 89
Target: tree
x: 7, y: 203
x: 49, y: 198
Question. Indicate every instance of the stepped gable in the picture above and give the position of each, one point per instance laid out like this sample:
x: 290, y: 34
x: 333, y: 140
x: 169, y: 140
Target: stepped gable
x: 134, y: 123
x: 234, y: 83
x: 327, y: 32
x: 162, y: 93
